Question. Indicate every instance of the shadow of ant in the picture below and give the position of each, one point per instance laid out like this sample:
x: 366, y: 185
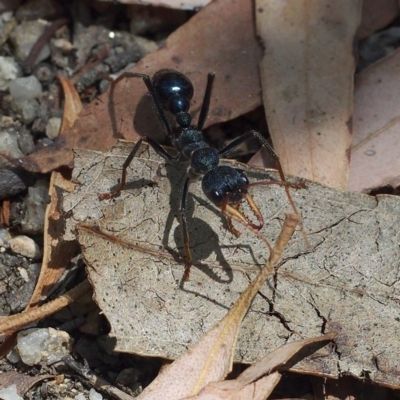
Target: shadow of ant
x: 198, y: 229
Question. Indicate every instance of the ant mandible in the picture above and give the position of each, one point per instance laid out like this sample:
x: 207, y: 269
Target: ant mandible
x: 224, y: 186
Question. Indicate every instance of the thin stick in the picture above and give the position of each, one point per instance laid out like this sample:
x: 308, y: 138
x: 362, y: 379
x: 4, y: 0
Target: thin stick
x: 11, y: 324
x: 96, y: 381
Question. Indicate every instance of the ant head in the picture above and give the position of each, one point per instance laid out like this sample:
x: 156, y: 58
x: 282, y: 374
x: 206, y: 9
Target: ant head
x: 225, y: 184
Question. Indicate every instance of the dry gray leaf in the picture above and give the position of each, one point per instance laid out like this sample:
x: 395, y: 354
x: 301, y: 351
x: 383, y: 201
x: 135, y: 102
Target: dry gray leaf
x: 211, y: 358
x: 348, y: 282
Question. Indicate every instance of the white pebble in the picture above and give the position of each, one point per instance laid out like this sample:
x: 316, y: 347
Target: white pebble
x: 9, y: 146
x: 10, y: 393
x: 93, y: 395
x: 4, y: 237
x: 24, y: 37
x: 53, y: 127
x: 64, y: 45
x: 25, y: 246
x: 24, y: 274
x: 13, y: 356
x: 26, y: 109
x: 47, y: 345
x: 9, y: 70
x: 6, y: 122
x: 25, y: 88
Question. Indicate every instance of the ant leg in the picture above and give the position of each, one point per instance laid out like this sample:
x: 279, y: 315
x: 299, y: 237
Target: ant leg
x: 156, y: 147
x: 185, y: 232
x: 249, y: 135
x: 159, y: 110
x: 206, y: 102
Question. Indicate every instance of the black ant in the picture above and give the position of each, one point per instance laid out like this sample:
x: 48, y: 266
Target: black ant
x: 224, y: 186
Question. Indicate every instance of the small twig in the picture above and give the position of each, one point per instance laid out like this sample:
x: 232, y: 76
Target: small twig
x: 288, y: 228
x: 42, y: 41
x: 11, y: 324
x: 95, y: 381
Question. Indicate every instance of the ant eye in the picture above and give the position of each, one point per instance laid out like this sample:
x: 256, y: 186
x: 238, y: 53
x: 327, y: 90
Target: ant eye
x: 216, y: 197
x: 243, y: 178
x: 217, y: 194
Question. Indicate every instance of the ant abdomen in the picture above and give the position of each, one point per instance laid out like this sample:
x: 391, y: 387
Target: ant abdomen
x: 174, y: 90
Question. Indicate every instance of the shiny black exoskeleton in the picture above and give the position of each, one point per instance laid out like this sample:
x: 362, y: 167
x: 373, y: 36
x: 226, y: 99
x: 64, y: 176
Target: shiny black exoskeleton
x: 224, y: 186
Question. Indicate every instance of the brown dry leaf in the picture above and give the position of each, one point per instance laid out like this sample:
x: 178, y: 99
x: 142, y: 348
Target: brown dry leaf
x: 73, y: 105
x: 352, y: 270
x: 57, y: 253
x: 376, y: 15
x: 252, y: 384
x: 307, y: 75
x: 22, y: 382
x: 281, y: 358
x: 258, y: 390
x: 375, y: 160
x: 192, y: 49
